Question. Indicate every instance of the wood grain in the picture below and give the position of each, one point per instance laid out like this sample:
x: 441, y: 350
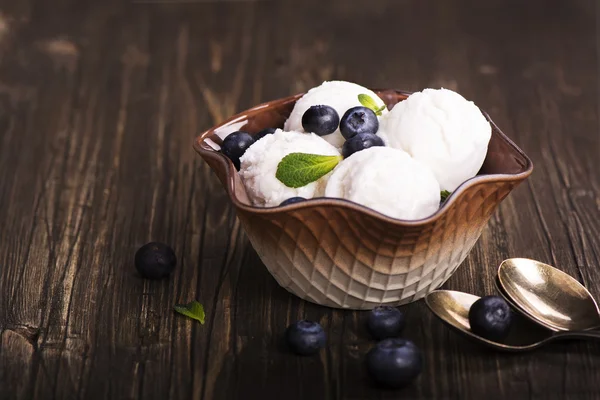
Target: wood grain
x: 99, y: 104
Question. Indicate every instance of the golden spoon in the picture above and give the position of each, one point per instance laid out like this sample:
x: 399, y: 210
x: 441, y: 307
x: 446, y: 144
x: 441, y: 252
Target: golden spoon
x: 514, y: 305
x: 548, y: 295
x: 453, y: 309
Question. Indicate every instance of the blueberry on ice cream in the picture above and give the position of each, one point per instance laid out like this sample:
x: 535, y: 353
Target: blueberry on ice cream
x: 235, y: 145
x: 322, y: 120
x: 360, y: 142
x: 358, y: 120
x: 339, y: 95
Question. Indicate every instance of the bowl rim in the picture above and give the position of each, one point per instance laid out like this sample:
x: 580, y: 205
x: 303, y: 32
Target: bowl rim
x: 206, y: 151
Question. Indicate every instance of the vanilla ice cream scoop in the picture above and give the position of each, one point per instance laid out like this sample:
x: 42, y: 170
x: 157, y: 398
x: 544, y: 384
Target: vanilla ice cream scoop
x: 441, y: 129
x: 339, y: 95
x: 259, y: 165
x: 387, y: 180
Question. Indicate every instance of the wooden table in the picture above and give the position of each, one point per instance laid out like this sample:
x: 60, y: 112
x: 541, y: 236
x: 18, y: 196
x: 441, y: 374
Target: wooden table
x: 99, y: 104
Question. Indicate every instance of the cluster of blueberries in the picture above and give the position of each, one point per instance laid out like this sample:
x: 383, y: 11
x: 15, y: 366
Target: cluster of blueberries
x: 358, y: 125
x: 393, y: 362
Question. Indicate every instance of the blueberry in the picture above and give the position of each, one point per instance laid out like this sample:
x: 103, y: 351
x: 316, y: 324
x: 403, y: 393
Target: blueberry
x: 321, y: 120
x: 385, y: 322
x: 235, y: 145
x: 155, y: 260
x: 394, y: 362
x: 264, y: 133
x: 305, y: 337
x: 360, y: 142
x: 292, y: 200
x: 490, y: 317
x: 358, y: 120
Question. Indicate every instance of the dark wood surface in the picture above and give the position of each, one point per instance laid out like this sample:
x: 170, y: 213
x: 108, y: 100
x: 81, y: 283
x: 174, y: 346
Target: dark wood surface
x: 99, y: 104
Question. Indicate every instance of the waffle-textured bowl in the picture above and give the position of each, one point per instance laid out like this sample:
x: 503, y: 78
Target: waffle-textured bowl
x: 340, y: 254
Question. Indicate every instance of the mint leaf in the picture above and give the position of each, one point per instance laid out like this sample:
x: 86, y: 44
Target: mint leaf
x: 299, y: 169
x: 367, y: 101
x: 192, y: 309
x: 444, y: 194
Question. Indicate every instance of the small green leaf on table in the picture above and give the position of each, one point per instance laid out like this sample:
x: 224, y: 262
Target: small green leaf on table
x: 192, y: 310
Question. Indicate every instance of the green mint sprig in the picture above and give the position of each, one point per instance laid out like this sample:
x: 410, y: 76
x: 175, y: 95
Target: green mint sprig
x: 299, y: 169
x: 192, y: 309
x: 367, y: 101
x: 444, y: 195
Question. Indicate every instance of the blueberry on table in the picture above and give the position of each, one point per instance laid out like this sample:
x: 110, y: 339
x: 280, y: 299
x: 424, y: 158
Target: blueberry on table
x: 360, y: 142
x: 292, y: 200
x: 394, y: 362
x: 321, y: 120
x: 358, y: 120
x: 235, y: 145
x: 155, y: 260
x: 263, y: 133
x: 490, y: 317
x: 305, y: 337
x: 385, y: 322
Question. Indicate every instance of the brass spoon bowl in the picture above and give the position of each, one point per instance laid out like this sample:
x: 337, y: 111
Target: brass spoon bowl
x: 453, y: 309
x: 547, y: 295
x: 515, y: 306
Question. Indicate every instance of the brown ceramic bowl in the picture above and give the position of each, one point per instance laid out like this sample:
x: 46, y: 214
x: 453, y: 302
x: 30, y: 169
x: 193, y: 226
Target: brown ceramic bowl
x: 341, y: 254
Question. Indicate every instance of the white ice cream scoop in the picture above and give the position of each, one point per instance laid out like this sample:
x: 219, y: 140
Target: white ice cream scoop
x: 340, y: 95
x: 387, y: 180
x: 259, y: 165
x: 441, y: 129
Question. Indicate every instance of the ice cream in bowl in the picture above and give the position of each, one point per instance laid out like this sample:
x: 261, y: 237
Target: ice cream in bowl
x: 355, y: 198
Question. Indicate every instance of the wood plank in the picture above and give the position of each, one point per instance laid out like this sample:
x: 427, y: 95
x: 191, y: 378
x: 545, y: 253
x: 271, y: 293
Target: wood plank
x: 99, y: 103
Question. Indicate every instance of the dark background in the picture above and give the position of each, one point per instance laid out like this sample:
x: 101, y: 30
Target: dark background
x: 99, y: 105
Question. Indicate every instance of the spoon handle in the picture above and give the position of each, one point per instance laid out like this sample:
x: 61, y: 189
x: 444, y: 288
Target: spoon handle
x: 578, y: 335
